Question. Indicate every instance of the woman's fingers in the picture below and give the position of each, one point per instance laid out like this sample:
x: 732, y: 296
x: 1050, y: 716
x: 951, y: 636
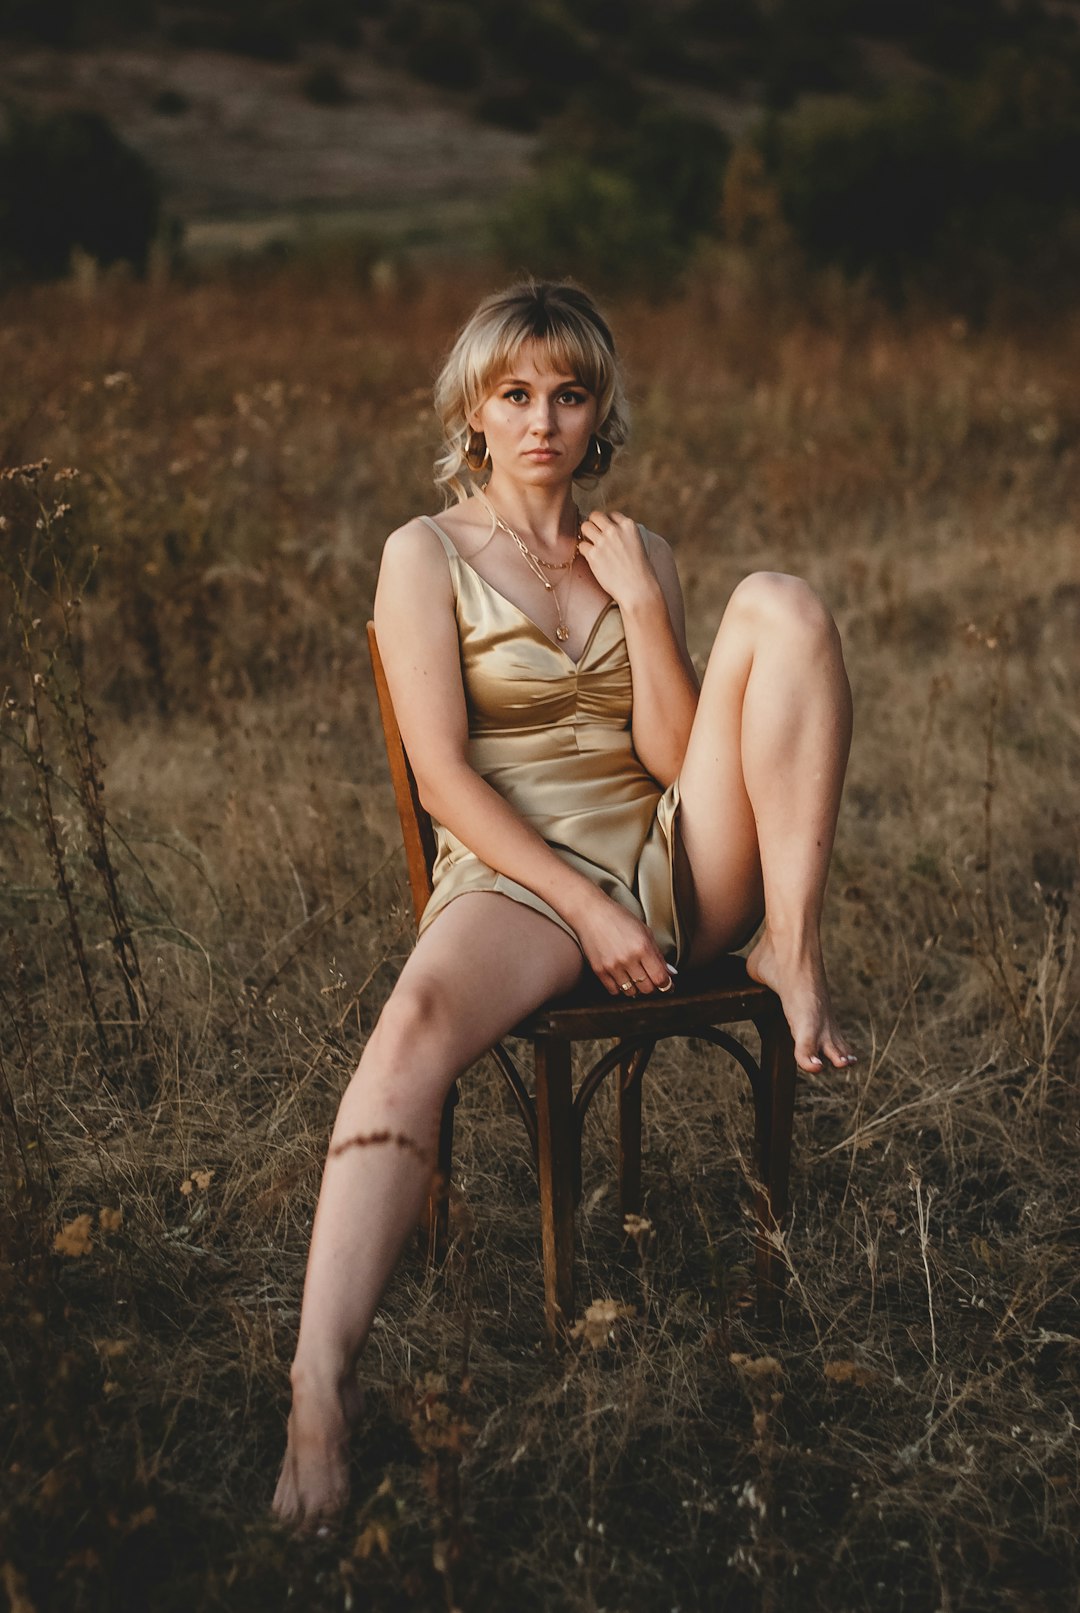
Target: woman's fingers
x: 621, y: 950
x: 655, y: 967
x: 613, y: 550
x: 637, y: 976
x: 601, y: 525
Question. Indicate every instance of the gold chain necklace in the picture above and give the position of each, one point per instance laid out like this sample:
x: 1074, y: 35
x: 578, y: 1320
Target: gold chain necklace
x: 534, y: 563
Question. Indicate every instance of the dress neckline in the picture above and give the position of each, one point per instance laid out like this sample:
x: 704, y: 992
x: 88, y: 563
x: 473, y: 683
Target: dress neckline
x: 430, y: 521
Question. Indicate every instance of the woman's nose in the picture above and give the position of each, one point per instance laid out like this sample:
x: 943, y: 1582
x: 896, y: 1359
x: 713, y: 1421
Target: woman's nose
x: 542, y: 417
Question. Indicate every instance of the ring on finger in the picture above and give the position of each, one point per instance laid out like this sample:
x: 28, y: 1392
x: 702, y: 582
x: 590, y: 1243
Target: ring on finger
x: 626, y: 985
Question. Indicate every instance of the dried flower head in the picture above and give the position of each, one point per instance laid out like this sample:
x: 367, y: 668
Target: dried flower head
x: 597, y: 1326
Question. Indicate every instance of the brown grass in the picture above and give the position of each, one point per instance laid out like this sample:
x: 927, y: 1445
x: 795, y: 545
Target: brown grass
x: 224, y: 855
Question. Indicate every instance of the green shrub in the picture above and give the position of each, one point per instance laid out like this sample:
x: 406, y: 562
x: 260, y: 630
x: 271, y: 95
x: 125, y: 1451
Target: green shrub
x: 509, y: 106
x: 673, y: 162
x: 170, y: 103
x: 955, y: 35
x: 865, y: 185
x: 544, y: 44
x: 974, y: 182
x: 74, y: 22
x: 270, y: 33
x: 626, y: 189
x: 736, y: 19
x: 589, y: 223
x: 323, y: 85
x: 69, y: 181
x: 440, y: 43
x: 677, y: 163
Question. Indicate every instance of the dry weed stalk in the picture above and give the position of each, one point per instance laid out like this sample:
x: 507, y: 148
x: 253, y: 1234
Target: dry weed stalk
x: 53, y: 704
x: 922, y: 1212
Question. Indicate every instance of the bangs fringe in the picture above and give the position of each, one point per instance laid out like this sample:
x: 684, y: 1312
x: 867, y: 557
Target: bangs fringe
x: 564, y: 346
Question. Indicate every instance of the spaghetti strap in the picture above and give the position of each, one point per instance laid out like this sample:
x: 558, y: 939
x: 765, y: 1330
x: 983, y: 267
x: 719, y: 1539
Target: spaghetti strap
x: 447, y: 544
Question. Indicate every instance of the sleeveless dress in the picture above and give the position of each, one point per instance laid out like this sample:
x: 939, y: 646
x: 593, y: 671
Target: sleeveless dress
x: 552, y: 736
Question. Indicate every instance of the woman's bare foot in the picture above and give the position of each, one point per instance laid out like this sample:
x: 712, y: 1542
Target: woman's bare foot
x: 313, y: 1488
x: 797, y: 975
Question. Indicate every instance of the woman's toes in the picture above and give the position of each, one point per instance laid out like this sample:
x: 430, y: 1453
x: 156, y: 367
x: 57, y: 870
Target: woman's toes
x: 808, y: 1061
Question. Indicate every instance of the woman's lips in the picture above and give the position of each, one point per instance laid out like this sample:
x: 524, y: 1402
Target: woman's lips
x: 541, y: 453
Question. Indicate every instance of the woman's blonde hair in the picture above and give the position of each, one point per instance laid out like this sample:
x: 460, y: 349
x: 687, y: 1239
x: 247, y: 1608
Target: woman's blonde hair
x: 573, y: 337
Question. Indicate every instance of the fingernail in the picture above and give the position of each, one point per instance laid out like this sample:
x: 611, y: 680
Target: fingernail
x: 671, y: 969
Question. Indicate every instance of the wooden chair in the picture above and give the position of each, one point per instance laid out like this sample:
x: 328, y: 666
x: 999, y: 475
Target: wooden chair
x: 703, y: 1001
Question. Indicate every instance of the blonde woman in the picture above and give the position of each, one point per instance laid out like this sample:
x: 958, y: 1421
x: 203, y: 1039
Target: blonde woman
x: 597, y: 809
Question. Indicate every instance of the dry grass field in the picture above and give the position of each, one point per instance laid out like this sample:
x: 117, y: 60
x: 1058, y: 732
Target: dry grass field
x: 204, y: 906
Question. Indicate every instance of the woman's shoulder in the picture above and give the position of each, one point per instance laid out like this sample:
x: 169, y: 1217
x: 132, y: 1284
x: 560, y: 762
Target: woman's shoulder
x: 415, y: 564
x: 418, y: 541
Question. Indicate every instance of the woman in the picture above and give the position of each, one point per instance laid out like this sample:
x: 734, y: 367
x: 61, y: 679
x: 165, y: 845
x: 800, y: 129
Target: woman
x: 596, y: 809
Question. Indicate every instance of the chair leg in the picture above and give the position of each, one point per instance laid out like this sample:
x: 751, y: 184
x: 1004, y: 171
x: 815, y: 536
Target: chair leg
x: 558, y: 1148
x: 775, y: 1112
x: 434, y: 1228
x: 629, y: 1135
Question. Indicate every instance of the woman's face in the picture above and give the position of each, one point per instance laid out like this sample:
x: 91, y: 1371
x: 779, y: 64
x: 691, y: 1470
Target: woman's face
x: 537, y: 422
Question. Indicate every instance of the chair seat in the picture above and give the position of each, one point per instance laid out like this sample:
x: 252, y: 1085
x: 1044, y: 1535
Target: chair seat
x: 720, y: 992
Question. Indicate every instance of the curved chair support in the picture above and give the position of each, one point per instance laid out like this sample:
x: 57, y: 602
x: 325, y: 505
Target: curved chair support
x: 520, y: 1092
x: 739, y: 1053
x: 617, y: 1055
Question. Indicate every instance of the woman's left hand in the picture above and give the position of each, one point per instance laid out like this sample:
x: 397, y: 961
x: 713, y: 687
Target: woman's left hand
x: 612, y: 546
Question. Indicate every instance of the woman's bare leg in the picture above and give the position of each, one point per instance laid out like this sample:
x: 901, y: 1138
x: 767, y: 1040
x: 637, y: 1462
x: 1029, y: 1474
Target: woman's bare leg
x: 760, y: 789
x: 483, y: 964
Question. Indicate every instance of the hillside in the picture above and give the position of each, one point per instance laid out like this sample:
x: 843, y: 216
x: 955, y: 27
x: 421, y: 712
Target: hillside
x: 404, y: 121
x: 241, y: 149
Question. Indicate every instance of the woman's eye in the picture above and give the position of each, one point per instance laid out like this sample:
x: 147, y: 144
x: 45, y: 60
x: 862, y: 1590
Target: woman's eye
x: 573, y: 397
x: 514, y: 394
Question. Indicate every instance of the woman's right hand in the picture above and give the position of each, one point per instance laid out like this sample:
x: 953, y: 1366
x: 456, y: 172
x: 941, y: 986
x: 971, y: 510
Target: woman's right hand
x: 620, y: 948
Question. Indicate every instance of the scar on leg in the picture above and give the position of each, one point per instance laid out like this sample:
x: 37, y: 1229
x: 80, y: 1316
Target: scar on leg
x: 400, y: 1139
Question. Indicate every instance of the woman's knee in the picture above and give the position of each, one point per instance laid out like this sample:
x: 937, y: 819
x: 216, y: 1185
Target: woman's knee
x: 775, y: 601
x: 416, y: 1027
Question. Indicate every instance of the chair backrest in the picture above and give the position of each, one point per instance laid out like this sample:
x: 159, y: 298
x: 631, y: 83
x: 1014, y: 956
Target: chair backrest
x: 416, y: 829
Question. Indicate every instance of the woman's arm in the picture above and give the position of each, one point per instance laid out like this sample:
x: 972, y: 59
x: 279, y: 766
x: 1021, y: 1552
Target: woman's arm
x: 646, y: 588
x: 418, y: 642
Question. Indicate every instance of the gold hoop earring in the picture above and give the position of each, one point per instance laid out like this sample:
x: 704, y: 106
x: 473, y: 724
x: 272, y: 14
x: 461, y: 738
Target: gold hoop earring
x: 476, y: 454
x: 598, y: 459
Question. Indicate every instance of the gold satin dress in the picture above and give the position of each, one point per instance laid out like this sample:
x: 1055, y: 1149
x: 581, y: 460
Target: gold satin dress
x: 552, y: 736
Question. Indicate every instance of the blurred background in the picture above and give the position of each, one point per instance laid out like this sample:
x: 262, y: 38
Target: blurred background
x: 929, y: 145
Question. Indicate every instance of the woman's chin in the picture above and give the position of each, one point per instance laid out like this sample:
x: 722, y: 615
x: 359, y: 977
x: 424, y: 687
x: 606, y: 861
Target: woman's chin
x: 539, y: 473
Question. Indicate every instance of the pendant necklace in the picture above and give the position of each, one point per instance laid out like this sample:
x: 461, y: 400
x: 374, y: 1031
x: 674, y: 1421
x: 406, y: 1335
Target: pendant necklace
x: 534, y: 563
